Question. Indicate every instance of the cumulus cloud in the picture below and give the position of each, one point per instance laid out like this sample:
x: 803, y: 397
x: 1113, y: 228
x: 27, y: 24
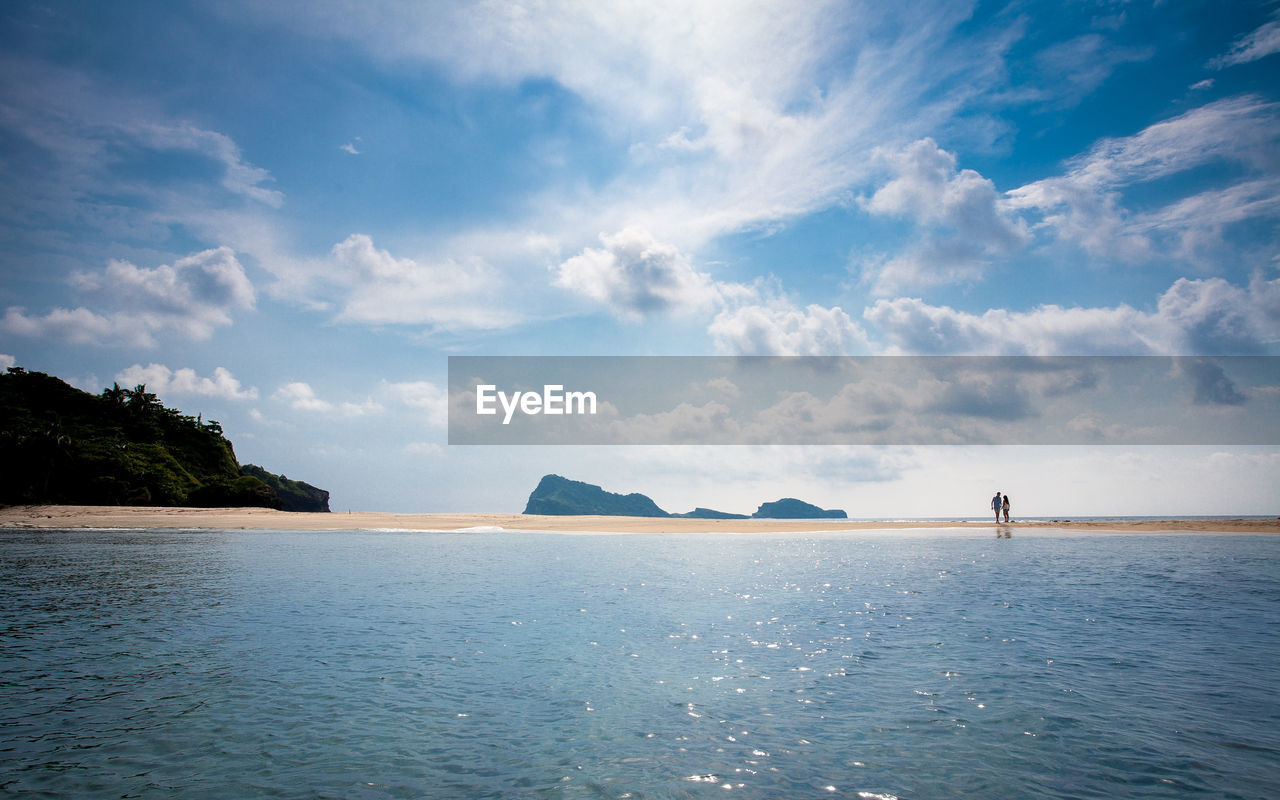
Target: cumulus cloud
x: 1210, y: 317
x: 299, y: 396
x: 134, y: 305
x: 1211, y: 385
x: 1260, y: 43
x: 1086, y: 204
x: 780, y: 328
x: 165, y: 382
x: 1213, y: 316
x: 375, y: 287
x: 637, y: 276
x: 917, y: 403
x: 965, y: 220
x: 7, y: 361
x: 686, y: 423
x: 423, y: 396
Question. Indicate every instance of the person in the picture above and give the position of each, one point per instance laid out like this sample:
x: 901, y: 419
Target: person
x: 1005, y: 506
x: 998, y: 505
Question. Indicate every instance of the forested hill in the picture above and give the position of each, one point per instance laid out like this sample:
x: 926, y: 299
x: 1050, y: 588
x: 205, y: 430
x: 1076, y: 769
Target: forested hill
x: 59, y: 444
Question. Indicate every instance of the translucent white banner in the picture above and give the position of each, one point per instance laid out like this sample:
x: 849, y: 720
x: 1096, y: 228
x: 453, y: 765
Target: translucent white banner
x: 864, y: 400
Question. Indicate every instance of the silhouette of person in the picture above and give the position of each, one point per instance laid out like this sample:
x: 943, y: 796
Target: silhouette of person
x: 997, y: 505
x: 1005, y: 506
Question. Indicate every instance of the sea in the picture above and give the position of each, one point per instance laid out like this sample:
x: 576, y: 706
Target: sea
x: 940, y: 663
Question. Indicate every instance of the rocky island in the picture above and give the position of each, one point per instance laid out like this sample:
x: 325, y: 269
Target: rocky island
x: 559, y: 496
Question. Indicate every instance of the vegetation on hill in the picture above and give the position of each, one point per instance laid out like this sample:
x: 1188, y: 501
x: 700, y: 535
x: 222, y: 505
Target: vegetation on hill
x: 557, y: 496
x: 709, y: 513
x: 791, y: 508
x: 294, y: 495
x: 59, y: 444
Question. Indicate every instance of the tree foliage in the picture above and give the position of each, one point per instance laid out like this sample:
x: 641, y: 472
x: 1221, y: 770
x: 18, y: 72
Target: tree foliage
x: 59, y: 444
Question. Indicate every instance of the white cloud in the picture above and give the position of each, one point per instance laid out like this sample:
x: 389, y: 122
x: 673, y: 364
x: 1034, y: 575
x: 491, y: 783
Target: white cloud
x: 1193, y: 317
x: 686, y: 423
x: 375, y: 287
x: 637, y: 276
x: 422, y: 396
x: 238, y: 176
x: 929, y: 189
x: 723, y: 387
x: 136, y: 304
x: 6, y: 361
x: 84, y: 129
x: 351, y: 147
x: 369, y: 406
x: 1213, y: 316
x: 1086, y: 205
x: 737, y: 114
x: 720, y: 140
x: 910, y: 325
x: 423, y: 450
x: 966, y: 222
x: 780, y: 328
x: 1074, y: 68
x: 299, y: 396
x: 165, y: 382
x: 1261, y: 43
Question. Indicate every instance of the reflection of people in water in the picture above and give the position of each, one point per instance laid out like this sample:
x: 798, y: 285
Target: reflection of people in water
x: 1005, y: 506
x: 997, y: 505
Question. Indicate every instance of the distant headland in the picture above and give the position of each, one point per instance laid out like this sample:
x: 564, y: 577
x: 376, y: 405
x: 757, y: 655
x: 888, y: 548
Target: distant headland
x: 61, y: 445
x: 561, y: 497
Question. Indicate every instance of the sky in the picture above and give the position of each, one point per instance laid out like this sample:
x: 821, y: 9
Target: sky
x: 287, y: 216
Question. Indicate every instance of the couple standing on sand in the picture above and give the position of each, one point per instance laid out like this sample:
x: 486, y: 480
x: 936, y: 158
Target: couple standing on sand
x: 998, y: 505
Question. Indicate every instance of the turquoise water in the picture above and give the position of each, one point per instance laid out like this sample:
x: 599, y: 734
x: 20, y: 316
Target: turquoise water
x: 929, y: 664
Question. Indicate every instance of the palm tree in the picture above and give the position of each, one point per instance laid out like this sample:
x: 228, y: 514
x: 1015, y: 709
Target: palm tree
x: 115, y: 394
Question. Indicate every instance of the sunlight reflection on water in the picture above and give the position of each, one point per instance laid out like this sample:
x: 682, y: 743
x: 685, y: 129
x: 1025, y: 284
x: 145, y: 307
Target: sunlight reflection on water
x: 495, y: 665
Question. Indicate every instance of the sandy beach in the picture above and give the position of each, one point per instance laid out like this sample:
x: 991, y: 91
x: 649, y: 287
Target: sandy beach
x: 16, y: 517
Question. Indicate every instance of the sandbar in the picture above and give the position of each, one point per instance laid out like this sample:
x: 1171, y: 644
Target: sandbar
x: 143, y: 517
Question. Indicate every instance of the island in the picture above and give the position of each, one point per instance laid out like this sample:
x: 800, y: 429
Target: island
x: 555, y: 496
x: 791, y: 508
x: 62, y: 445
x: 559, y: 496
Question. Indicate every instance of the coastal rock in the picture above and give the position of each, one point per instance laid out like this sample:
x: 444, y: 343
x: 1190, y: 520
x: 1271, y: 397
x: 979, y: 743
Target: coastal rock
x: 557, y: 496
x: 791, y: 508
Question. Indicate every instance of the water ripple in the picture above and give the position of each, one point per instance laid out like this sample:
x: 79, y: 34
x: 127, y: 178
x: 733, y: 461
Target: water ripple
x: 393, y: 665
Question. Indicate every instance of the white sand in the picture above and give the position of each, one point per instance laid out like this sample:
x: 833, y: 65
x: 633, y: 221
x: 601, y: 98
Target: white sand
x: 266, y: 519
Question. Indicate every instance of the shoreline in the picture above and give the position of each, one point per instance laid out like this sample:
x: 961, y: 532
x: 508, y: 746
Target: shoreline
x: 148, y: 517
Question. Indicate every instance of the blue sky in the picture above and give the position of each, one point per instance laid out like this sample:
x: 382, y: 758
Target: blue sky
x: 286, y: 216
